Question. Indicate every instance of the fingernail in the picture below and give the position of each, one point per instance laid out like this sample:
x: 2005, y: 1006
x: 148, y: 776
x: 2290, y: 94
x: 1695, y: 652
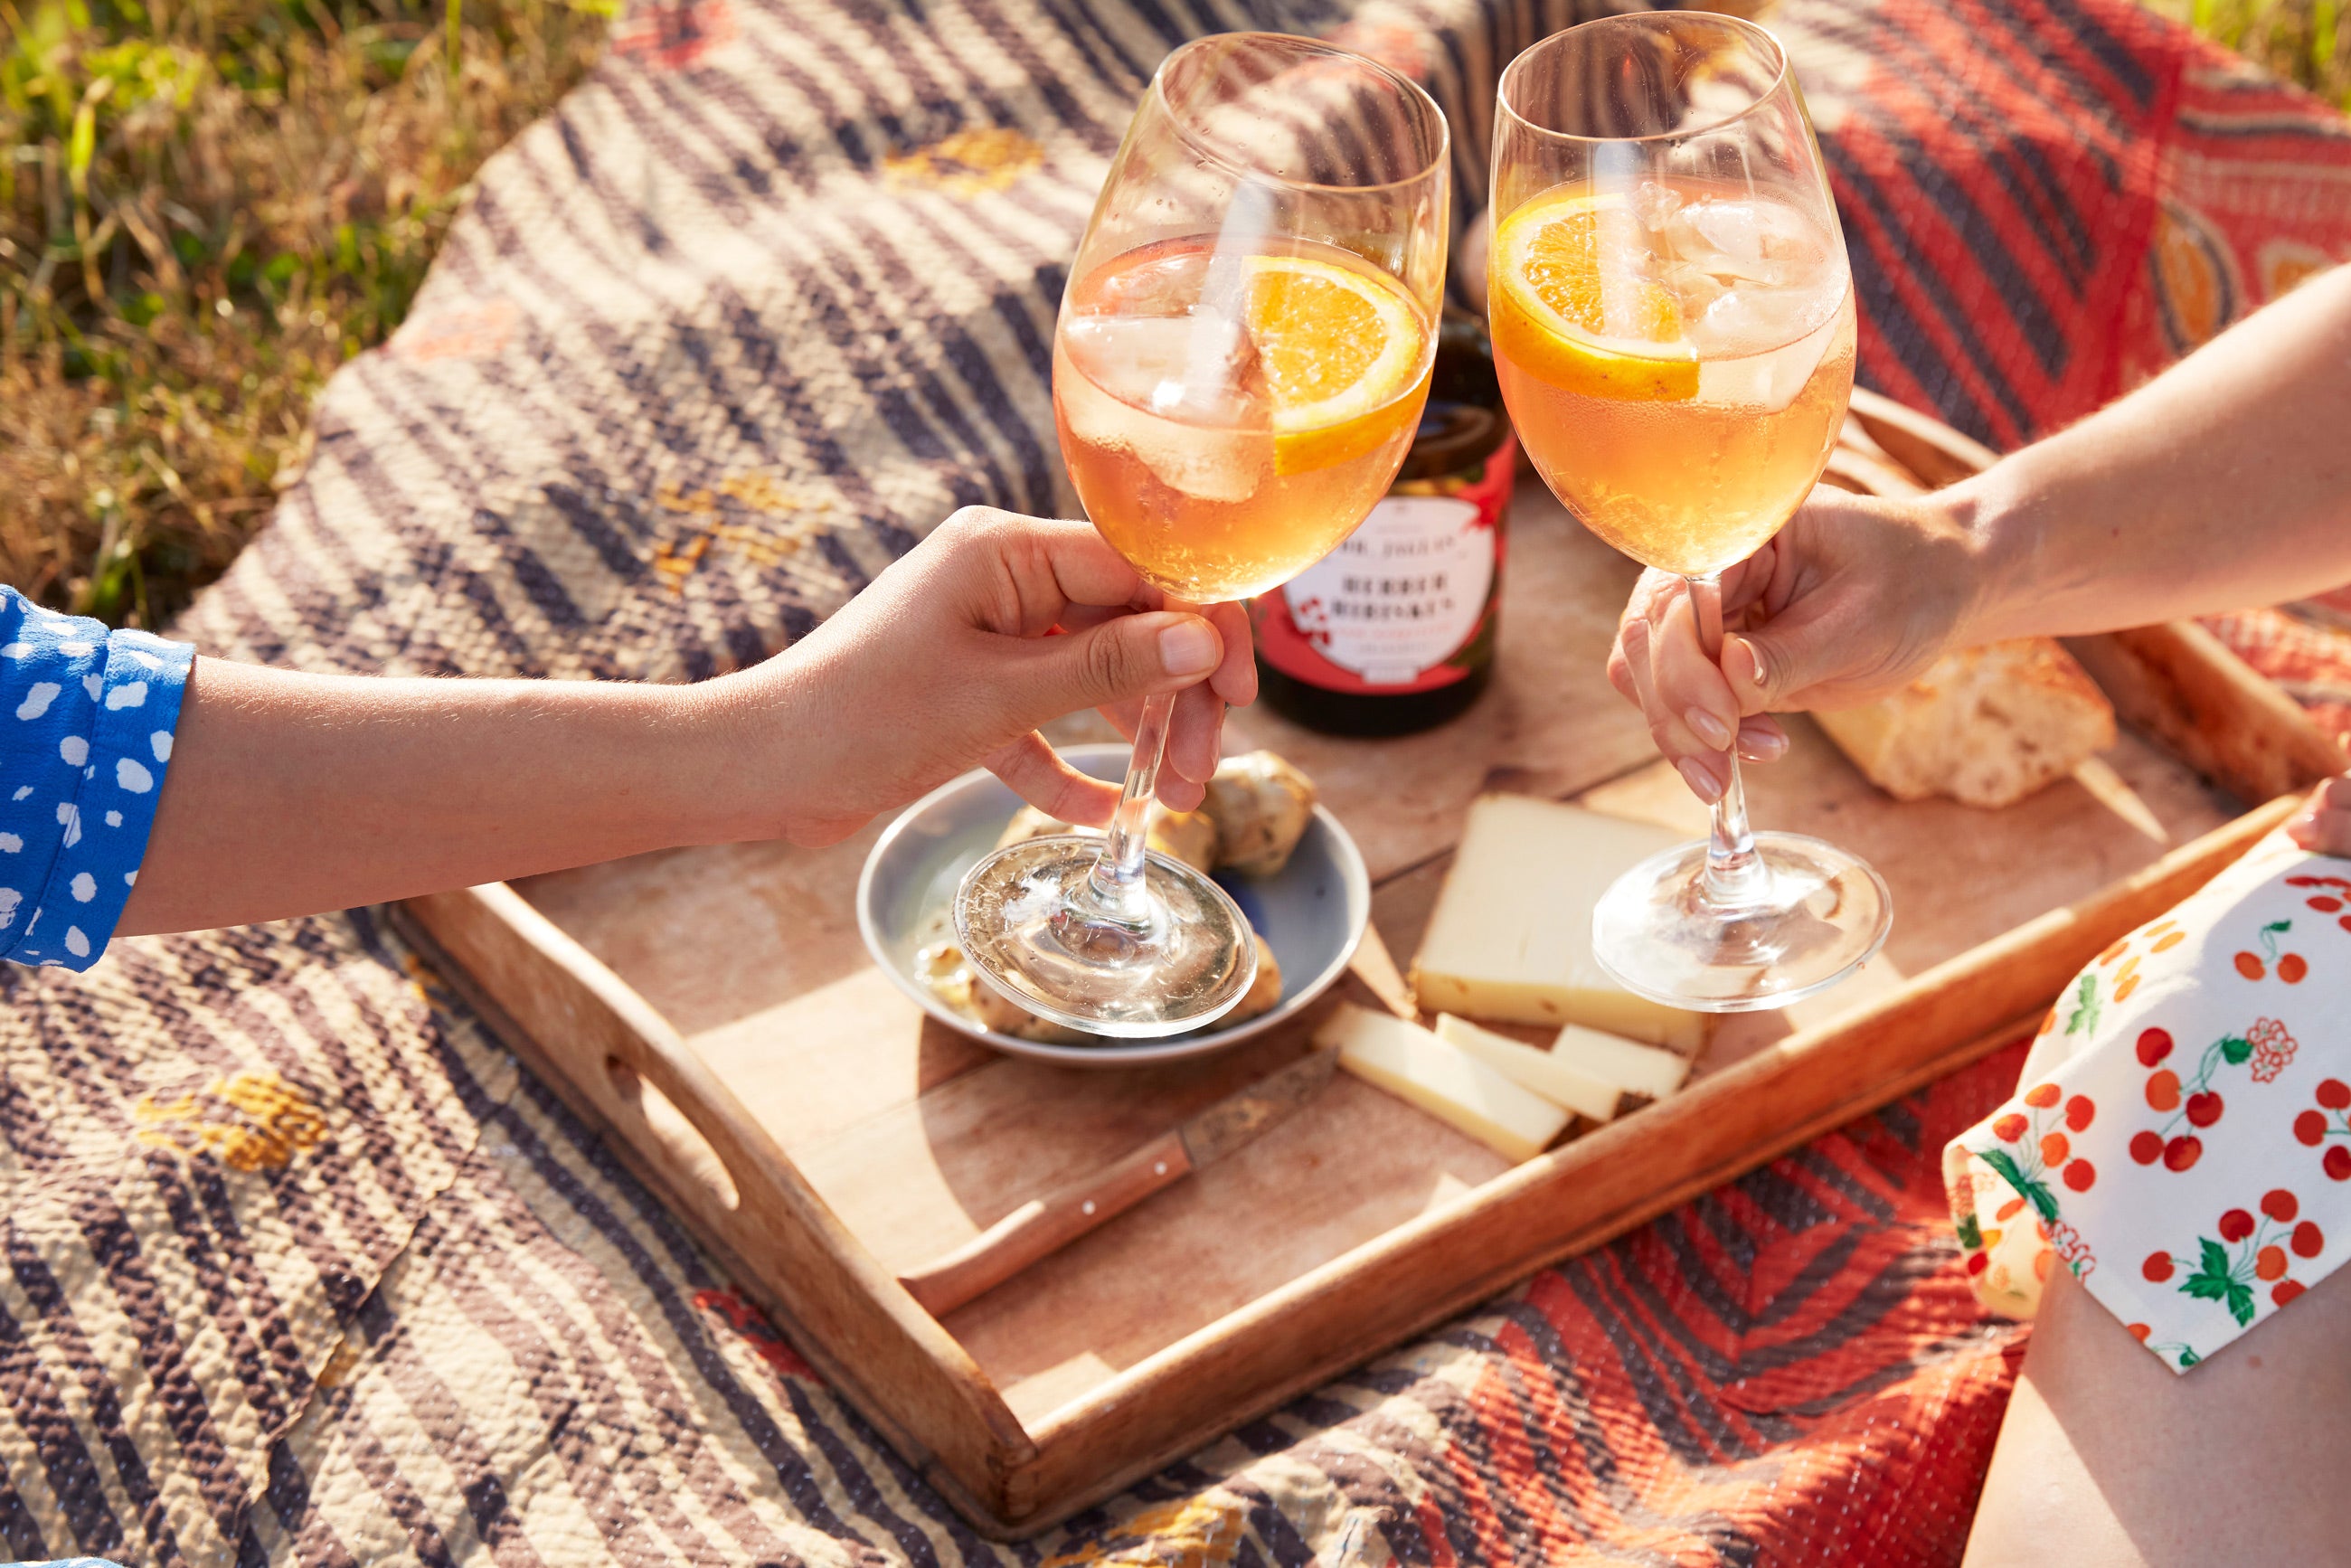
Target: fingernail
x: 1754, y: 659
x: 1702, y: 782
x: 1763, y: 745
x: 1188, y: 648
x: 1707, y: 727
x: 2303, y: 823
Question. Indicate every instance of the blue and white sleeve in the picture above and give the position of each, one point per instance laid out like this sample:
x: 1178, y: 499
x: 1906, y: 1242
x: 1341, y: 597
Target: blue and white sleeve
x: 87, y: 717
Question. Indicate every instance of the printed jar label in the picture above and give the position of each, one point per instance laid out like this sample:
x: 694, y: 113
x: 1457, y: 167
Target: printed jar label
x: 1395, y: 605
x: 1402, y: 594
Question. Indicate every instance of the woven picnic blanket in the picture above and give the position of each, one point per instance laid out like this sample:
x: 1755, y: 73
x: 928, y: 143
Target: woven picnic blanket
x: 296, y: 1264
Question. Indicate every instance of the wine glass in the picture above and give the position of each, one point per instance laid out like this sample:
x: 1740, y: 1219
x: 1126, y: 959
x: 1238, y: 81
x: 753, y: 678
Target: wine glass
x: 1673, y: 326
x: 1244, y: 348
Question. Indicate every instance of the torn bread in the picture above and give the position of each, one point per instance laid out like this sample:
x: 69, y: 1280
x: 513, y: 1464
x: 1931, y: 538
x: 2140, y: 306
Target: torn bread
x: 1986, y: 727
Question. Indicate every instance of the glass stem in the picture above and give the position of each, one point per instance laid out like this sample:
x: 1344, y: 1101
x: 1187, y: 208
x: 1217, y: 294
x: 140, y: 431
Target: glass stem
x: 1114, y: 891
x: 1734, y: 877
x: 1734, y: 874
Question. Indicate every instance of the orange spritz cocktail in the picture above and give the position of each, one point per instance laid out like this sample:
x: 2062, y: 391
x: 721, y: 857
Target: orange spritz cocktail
x: 1230, y: 415
x: 1673, y: 324
x: 1242, y: 354
x: 1676, y: 359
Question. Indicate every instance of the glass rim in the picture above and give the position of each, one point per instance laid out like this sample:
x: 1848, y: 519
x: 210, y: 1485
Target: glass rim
x: 1640, y: 19
x: 1439, y: 160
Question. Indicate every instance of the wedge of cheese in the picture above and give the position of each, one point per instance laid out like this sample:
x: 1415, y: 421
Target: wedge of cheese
x: 1448, y: 1083
x: 1635, y: 1068
x: 1532, y: 1067
x: 1512, y: 935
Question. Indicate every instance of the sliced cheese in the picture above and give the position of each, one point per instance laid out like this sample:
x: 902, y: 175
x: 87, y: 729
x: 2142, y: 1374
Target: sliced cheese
x: 1512, y: 935
x: 1633, y: 1067
x: 1532, y: 1067
x: 1450, y: 1084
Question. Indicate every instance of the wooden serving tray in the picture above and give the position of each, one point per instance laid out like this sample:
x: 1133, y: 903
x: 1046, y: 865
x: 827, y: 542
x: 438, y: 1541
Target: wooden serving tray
x: 713, y: 1012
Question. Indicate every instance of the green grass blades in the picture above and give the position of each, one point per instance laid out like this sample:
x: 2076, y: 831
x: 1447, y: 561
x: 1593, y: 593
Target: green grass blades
x: 2299, y: 40
x: 206, y: 207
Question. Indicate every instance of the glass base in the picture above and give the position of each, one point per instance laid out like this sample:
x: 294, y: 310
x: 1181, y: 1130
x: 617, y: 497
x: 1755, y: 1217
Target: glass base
x: 1818, y: 916
x: 1031, y: 923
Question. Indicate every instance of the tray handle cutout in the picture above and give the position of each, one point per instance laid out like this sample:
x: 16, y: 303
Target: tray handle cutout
x: 683, y: 1148
x: 620, y: 1063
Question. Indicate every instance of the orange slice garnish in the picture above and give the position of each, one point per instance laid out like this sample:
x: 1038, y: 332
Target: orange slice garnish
x: 1571, y: 307
x: 1339, y: 350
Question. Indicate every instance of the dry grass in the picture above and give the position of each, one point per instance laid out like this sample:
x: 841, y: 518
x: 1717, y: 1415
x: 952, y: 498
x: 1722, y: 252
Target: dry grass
x: 206, y: 206
x: 2302, y: 40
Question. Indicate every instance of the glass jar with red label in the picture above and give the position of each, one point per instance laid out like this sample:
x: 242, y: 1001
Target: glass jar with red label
x: 1393, y: 631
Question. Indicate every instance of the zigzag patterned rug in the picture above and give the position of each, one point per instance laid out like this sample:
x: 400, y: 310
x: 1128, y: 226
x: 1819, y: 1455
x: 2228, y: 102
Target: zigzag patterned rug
x: 298, y: 1267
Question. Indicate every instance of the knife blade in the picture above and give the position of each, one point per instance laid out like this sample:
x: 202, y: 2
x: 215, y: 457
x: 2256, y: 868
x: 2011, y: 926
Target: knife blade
x: 1043, y: 1226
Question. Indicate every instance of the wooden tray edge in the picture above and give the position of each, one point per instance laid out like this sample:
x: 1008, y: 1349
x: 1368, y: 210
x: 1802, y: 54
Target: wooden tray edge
x: 1933, y: 452
x: 565, y: 1015
x: 2183, y: 686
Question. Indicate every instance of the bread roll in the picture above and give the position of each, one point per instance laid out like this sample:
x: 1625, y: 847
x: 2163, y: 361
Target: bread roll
x: 1261, y: 806
x: 1986, y: 727
x: 1262, y: 997
x: 1186, y: 836
x: 948, y: 974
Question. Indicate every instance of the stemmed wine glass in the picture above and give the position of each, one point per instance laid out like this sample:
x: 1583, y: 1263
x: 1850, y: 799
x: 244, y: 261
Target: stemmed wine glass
x: 1673, y: 326
x: 1244, y: 348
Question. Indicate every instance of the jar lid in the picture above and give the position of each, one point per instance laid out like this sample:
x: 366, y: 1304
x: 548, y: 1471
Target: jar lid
x: 1464, y: 421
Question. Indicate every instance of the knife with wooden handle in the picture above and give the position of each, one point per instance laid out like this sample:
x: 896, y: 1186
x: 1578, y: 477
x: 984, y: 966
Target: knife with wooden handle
x: 1045, y: 1225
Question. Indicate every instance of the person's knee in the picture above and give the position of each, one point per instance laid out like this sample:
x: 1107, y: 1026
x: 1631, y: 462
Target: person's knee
x: 2108, y: 1456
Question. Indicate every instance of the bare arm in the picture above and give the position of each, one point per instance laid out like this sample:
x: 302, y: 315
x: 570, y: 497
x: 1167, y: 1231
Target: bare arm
x: 290, y: 793
x: 2223, y: 483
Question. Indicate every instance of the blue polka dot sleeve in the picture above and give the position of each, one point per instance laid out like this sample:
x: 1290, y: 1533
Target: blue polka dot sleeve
x: 86, y: 723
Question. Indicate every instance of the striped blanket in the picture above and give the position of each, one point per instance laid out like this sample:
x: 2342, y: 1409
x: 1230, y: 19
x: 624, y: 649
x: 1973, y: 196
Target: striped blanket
x: 296, y: 1265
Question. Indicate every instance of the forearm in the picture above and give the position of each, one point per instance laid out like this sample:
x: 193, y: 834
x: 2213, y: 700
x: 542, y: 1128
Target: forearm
x: 287, y: 794
x: 2224, y: 483
x: 292, y: 793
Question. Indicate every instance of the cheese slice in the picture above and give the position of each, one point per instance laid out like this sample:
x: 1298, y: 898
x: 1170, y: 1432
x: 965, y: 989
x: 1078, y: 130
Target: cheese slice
x: 1532, y: 1067
x: 1448, y: 1083
x: 1633, y: 1067
x: 1512, y: 935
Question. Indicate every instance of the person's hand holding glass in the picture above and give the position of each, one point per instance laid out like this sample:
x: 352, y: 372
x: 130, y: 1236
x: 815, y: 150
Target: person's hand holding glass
x: 1244, y: 349
x: 1673, y: 326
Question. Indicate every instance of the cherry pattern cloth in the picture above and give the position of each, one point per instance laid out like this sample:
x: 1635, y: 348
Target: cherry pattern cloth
x: 2181, y: 1139
x: 87, y: 717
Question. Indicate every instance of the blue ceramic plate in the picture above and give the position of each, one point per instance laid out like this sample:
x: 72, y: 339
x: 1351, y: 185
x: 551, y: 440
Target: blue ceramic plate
x: 1312, y: 914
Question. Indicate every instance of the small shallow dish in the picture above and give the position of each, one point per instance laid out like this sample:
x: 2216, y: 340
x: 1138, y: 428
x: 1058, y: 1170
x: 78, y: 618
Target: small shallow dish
x: 1313, y: 915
